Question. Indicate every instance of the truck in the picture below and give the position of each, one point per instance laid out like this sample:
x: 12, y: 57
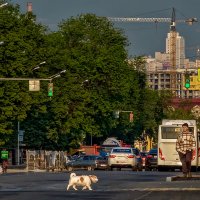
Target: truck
x: 103, y: 150
x: 168, y: 157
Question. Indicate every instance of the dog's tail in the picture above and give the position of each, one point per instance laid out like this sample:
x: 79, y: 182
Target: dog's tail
x: 72, y: 175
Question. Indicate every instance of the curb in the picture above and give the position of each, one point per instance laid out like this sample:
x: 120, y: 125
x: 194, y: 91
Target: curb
x: 179, y: 178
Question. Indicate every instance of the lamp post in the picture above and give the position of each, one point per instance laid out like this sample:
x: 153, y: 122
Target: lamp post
x: 57, y: 75
x: 50, y: 85
x: 29, y: 79
x: 38, y: 66
x: 4, y: 4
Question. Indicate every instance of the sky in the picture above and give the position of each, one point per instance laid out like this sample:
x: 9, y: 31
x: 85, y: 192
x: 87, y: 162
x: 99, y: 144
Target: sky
x: 144, y: 38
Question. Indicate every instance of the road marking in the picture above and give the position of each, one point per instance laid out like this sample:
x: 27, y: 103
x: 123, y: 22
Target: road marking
x: 148, y: 190
x: 144, y: 195
x: 164, y: 189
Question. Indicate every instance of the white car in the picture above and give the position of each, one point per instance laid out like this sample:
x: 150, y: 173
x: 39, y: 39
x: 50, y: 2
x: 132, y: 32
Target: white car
x: 122, y: 157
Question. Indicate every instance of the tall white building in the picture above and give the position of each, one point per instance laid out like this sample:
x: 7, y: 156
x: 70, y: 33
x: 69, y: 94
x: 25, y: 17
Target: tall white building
x: 180, y: 49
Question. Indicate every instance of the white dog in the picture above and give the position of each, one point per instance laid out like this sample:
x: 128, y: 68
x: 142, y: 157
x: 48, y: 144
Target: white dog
x: 84, y: 180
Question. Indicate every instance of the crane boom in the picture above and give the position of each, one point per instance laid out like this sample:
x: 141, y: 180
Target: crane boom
x: 172, y: 38
x: 190, y: 21
x: 138, y: 19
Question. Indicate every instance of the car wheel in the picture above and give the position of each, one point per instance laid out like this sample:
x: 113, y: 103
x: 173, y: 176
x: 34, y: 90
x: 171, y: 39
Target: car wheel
x: 111, y: 168
x: 147, y: 169
x: 139, y: 167
x: 134, y: 168
x: 69, y: 169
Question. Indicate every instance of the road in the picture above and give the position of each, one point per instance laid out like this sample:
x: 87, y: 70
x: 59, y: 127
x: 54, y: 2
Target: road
x: 118, y: 185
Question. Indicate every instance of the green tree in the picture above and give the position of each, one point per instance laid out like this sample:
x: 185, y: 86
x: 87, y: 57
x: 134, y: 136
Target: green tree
x: 94, y: 55
x: 21, y: 49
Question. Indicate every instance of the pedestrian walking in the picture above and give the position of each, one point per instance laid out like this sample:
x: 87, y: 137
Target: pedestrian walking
x: 1, y: 170
x: 5, y: 166
x: 185, y: 145
x: 4, y: 158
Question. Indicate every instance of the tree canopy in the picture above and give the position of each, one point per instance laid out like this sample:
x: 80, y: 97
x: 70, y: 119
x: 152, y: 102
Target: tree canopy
x: 98, y: 80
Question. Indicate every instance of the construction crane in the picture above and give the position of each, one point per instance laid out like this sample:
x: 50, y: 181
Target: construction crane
x: 172, y: 38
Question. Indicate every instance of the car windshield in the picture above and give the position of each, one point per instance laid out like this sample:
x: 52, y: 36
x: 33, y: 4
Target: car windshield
x: 153, y: 151
x: 121, y: 151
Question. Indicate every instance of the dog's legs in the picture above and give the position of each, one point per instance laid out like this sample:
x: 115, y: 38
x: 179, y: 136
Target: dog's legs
x: 74, y: 187
x: 85, y: 187
x: 88, y: 186
x: 68, y: 186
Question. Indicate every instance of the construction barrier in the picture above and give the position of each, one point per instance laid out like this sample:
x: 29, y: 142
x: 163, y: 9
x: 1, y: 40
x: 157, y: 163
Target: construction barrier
x: 45, y: 160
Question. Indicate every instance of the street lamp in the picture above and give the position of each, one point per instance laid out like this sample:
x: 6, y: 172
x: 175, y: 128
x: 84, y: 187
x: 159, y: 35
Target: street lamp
x: 38, y: 66
x: 57, y: 75
x: 4, y: 4
x: 50, y: 85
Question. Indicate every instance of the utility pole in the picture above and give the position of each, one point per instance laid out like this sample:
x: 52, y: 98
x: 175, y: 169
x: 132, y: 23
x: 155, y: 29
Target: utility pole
x: 18, y: 142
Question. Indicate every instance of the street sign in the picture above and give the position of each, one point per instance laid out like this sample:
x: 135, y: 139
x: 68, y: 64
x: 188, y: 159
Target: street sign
x: 21, y: 135
x: 34, y: 85
x: 4, y: 154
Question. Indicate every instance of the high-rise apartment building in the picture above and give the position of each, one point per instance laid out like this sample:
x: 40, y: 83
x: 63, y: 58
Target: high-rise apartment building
x: 180, y: 49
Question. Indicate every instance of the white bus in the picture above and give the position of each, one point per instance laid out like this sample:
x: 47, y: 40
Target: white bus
x: 168, y: 157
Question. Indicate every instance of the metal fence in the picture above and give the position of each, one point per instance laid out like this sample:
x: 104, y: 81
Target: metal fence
x: 45, y: 160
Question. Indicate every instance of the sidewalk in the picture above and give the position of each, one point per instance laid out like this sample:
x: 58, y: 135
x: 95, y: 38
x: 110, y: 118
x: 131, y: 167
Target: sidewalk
x: 181, y: 178
x: 24, y: 169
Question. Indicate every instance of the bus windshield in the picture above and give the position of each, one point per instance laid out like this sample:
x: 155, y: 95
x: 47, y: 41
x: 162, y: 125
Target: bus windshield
x: 172, y: 132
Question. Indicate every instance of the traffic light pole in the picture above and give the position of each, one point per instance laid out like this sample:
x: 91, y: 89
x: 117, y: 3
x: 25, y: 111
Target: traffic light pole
x: 116, y: 114
x: 25, y: 79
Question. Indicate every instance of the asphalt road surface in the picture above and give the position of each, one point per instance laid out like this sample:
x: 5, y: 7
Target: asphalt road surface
x: 118, y: 185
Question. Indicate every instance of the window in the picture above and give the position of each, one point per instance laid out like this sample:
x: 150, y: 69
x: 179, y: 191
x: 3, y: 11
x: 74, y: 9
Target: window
x: 121, y: 151
x: 172, y: 132
x: 86, y: 158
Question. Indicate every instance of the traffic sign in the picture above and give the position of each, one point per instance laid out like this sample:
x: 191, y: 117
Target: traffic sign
x: 21, y: 135
x: 4, y: 154
x: 34, y: 85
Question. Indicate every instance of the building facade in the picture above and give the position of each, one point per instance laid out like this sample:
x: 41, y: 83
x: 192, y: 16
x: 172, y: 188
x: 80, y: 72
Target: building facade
x: 180, y: 49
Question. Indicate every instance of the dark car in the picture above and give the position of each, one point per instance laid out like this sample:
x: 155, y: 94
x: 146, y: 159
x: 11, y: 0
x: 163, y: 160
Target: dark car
x: 138, y: 158
x: 89, y: 162
x: 151, y: 159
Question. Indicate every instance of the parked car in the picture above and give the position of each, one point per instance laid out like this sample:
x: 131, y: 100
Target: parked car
x: 144, y: 156
x: 152, y: 159
x: 89, y: 162
x: 138, y: 158
x: 122, y: 157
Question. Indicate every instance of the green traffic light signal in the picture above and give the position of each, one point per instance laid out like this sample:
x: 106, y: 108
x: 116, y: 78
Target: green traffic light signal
x: 50, y: 89
x: 187, y: 81
x: 187, y: 84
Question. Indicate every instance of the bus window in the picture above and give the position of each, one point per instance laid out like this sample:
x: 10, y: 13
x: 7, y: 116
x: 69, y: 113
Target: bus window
x: 172, y: 132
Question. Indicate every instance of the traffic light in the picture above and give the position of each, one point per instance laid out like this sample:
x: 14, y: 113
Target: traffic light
x: 50, y: 89
x: 116, y: 114
x: 187, y: 81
